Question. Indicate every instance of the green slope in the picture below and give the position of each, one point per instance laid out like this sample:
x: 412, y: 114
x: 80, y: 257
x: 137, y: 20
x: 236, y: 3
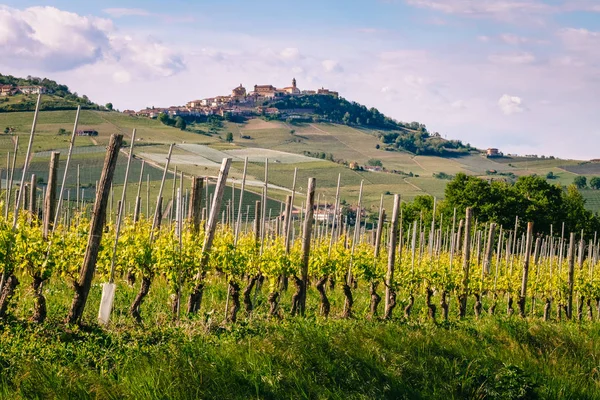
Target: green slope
x: 344, y: 143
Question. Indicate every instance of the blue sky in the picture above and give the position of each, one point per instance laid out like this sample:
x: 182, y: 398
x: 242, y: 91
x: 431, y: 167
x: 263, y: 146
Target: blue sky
x: 521, y: 75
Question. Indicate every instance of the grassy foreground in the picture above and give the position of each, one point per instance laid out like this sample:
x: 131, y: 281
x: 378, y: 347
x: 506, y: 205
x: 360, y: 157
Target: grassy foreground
x: 303, y: 358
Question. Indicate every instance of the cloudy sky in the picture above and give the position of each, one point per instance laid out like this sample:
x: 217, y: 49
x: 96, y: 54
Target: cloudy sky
x: 521, y: 75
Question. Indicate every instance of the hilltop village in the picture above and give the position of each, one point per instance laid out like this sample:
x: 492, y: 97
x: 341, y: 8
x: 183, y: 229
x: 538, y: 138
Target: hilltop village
x: 240, y: 102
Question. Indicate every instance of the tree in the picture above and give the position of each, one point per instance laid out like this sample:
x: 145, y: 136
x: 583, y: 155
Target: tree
x: 109, y: 106
x: 229, y: 137
x: 580, y: 182
x: 595, y: 182
x: 550, y: 175
x: 62, y: 131
x: 164, y: 118
x: 373, y: 162
x: 180, y: 123
x: 346, y: 118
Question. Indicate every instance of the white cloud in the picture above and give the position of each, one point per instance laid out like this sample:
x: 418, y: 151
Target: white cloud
x: 49, y: 39
x: 511, y: 104
x: 512, y: 58
x: 496, y: 9
x: 332, y: 66
x: 127, y: 12
x: 290, y: 53
x: 580, y: 39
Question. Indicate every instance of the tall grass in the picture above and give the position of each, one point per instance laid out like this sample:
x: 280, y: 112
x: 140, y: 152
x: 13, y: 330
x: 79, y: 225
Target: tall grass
x: 293, y: 358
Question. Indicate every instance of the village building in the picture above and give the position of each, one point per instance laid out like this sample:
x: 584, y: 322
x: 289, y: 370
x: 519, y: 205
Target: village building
x: 32, y: 89
x: 292, y: 90
x: 492, y: 152
x: 194, y: 104
x: 238, y: 94
x: 7, y: 90
x: 327, y: 92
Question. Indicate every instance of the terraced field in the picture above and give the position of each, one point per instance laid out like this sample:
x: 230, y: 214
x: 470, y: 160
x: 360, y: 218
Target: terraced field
x: 285, y: 145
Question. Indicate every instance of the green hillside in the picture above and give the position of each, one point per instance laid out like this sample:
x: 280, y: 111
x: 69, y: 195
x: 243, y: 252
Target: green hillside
x: 414, y: 174
x: 58, y: 96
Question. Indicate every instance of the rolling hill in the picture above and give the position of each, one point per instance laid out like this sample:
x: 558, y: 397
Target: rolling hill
x: 286, y: 146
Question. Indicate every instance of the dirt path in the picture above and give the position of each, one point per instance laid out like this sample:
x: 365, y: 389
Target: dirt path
x: 419, y: 164
x: 413, y: 185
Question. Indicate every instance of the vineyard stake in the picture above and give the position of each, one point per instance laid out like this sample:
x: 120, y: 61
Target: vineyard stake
x: 523, y: 298
x: 466, y: 263
x: 307, y: 231
x: 50, y: 206
x: 195, y: 204
x: 64, y: 181
x: 138, y: 200
x: 157, y: 210
x: 32, y: 197
x: 82, y: 287
x: 238, y: 223
x: 336, y: 225
x: 390, y: 293
x: 10, y: 179
x: 570, y: 277
x: 108, y: 289
x: 196, y: 295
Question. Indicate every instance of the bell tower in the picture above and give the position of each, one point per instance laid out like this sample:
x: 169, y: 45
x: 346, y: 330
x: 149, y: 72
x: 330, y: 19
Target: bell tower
x: 294, y: 83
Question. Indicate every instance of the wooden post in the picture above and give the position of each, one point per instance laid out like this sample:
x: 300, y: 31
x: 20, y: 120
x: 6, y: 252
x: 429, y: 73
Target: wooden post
x: 64, y: 181
x: 257, y: 221
x: 50, y: 199
x: 138, y: 199
x: 307, y: 231
x: 378, y: 232
x: 82, y: 287
x: 196, y: 295
x: 466, y: 263
x: 12, y: 174
x: 238, y: 222
x: 390, y: 294
x: 487, y: 262
x: 571, y: 275
x: 286, y: 223
x: 26, y: 197
x: 195, y: 206
x: 523, y: 298
x: 33, y: 197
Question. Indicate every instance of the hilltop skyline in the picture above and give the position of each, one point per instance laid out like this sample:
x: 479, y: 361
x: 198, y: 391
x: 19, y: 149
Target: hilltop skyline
x: 519, y: 75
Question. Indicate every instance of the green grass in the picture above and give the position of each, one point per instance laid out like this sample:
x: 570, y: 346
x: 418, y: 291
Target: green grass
x: 344, y: 142
x: 296, y: 358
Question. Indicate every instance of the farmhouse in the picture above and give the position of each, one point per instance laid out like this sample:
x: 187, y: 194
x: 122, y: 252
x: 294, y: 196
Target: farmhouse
x: 32, y: 89
x: 327, y: 92
x: 7, y: 90
x: 492, y: 152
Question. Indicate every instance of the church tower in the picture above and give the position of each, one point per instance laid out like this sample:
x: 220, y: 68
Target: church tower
x: 294, y: 83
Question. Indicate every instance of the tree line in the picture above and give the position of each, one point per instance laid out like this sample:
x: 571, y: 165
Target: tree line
x: 531, y: 198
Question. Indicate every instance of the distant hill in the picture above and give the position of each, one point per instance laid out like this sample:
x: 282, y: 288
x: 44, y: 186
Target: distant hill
x: 57, y: 97
x: 412, y: 137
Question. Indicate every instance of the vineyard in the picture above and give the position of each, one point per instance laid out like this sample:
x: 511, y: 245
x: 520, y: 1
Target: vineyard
x: 196, y: 263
